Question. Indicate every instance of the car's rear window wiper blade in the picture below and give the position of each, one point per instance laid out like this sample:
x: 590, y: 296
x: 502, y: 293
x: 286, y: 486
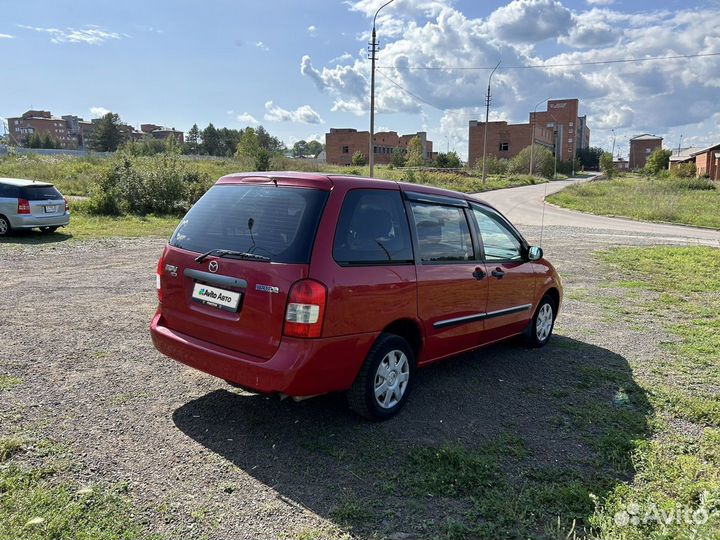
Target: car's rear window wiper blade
x: 232, y: 254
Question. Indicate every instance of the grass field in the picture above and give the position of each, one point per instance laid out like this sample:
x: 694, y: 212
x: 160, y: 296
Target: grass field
x: 687, y: 201
x: 679, y: 466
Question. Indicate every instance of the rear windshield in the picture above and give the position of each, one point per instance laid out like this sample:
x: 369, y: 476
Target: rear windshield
x: 278, y: 222
x: 40, y: 193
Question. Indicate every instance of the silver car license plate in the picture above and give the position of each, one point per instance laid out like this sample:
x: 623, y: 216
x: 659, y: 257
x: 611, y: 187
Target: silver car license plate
x: 51, y: 209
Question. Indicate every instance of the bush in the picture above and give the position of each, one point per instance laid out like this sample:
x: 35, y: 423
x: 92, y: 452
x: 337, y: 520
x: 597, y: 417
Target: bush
x: 493, y: 165
x: 684, y: 170
x: 543, y: 162
x: 159, y: 185
x: 358, y: 159
x: 658, y: 161
x: 694, y: 184
x: 607, y: 166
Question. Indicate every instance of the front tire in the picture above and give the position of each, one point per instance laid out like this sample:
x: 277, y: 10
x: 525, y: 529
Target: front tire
x: 541, y: 327
x: 5, y: 228
x: 382, y: 387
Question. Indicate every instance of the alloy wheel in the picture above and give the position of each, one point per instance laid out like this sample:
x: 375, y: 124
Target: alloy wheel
x: 391, y: 379
x: 544, y: 322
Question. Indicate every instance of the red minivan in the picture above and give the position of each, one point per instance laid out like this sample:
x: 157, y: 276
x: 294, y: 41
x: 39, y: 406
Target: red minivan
x: 302, y: 284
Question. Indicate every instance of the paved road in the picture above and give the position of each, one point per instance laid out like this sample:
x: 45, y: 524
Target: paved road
x: 524, y: 206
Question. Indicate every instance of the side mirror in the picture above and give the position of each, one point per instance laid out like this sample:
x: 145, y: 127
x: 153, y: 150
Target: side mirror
x: 535, y: 253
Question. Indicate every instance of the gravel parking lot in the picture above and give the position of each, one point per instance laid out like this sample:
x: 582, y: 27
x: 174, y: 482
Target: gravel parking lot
x: 202, y: 459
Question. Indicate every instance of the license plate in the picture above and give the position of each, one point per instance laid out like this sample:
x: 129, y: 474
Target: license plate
x: 51, y: 209
x: 216, y: 297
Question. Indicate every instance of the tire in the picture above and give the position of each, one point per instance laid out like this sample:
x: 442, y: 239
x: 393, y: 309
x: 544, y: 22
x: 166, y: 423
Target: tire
x: 391, y: 359
x: 48, y: 230
x: 541, y: 327
x: 5, y: 228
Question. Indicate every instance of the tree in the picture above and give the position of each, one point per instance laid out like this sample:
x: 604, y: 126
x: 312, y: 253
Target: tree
x: 398, y: 158
x: 228, y: 141
x: 658, y: 161
x: 33, y: 140
x: 300, y: 149
x: 210, y: 140
x: 314, y: 148
x: 107, y: 135
x: 272, y: 144
x: 48, y: 141
x: 192, y: 141
x: 415, y: 153
x: 262, y: 160
x: 248, y: 145
x: 543, y: 162
x: 607, y: 167
x: 358, y: 158
x: 589, y: 157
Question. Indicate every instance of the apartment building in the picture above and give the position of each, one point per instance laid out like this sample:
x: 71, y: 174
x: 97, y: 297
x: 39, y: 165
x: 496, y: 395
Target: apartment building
x: 641, y: 147
x: 342, y: 143
x: 559, y: 128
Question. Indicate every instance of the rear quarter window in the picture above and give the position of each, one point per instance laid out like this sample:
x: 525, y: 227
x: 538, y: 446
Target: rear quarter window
x: 277, y: 222
x: 9, y: 192
x: 40, y: 193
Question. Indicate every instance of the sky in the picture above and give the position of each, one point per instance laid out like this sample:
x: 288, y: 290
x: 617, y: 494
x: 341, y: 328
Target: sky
x: 300, y: 68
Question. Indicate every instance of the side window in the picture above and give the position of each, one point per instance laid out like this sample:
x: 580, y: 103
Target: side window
x: 443, y: 233
x: 9, y: 192
x: 499, y: 242
x: 372, y: 229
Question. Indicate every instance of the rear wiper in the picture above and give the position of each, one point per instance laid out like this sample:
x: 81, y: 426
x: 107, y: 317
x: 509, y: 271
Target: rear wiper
x: 232, y: 254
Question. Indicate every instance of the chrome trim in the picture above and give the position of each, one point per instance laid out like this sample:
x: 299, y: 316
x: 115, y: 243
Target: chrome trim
x: 481, y: 316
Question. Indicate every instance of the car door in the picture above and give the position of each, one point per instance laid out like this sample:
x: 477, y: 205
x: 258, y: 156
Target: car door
x: 511, y: 278
x: 452, y: 284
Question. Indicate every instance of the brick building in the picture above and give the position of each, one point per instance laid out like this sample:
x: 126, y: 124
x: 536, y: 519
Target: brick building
x: 342, y: 143
x: 558, y: 128
x: 707, y: 162
x: 41, y: 122
x: 72, y: 132
x: 641, y: 147
x: 562, y: 116
x: 504, y: 140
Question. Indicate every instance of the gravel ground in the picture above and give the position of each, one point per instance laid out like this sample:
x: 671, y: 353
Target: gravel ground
x: 204, y: 460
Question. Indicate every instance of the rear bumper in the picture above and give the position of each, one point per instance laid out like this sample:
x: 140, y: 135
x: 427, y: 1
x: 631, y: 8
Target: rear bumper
x: 30, y: 222
x: 300, y: 367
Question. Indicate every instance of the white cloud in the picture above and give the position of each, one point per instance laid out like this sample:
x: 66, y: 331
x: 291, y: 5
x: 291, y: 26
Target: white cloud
x: 312, y: 29
x: 600, y: 2
x: 262, y: 46
x: 89, y: 35
x: 6, y: 36
x: 344, y: 57
x: 303, y: 114
x: 97, y: 112
x: 529, y: 21
x: 246, y: 118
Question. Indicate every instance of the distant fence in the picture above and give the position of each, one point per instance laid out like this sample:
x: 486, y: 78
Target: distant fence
x: 19, y: 150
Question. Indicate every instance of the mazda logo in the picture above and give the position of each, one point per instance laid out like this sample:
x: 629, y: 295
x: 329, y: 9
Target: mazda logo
x: 213, y: 266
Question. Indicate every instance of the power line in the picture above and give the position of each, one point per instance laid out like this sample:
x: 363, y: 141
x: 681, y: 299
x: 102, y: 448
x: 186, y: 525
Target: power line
x: 408, y: 92
x: 572, y: 64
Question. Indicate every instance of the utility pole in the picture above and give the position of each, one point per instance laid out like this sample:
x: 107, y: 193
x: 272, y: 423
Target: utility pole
x: 373, y: 56
x: 612, y: 153
x: 680, y: 144
x: 487, y: 116
x: 532, y: 133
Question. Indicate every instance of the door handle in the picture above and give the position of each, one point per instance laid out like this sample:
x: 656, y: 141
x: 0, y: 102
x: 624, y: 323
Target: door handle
x: 479, y: 273
x: 498, y: 273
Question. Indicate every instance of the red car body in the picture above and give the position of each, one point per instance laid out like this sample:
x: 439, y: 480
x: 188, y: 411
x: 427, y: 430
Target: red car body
x: 439, y: 309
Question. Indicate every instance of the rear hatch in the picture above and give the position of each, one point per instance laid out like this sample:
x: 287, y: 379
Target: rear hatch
x: 227, y: 300
x: 45, y: 200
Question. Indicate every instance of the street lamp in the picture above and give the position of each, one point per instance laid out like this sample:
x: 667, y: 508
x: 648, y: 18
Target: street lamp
x: 487, y: 114
x: 532, y: 132
x: 373, y: 51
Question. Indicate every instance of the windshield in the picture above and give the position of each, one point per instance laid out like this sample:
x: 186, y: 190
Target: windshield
x: 277, y: 222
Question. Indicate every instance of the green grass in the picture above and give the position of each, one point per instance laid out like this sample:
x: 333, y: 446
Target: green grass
x: 686, y: 201
x: 680, y: 466
x: 36, y: 504
x: 7, y: 382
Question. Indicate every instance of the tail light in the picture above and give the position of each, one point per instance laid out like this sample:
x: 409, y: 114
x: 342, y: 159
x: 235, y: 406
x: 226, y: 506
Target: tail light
x: 305, y: 309
x: 67, y: 206
x: 158, y: 274
x: 23, y: 206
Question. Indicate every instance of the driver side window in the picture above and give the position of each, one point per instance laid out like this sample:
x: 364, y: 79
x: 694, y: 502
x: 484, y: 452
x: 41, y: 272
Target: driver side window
x: 499, y: 242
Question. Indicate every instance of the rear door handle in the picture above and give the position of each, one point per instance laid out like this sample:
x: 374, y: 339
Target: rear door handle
x: 479, y: 273
x: 498, y: 273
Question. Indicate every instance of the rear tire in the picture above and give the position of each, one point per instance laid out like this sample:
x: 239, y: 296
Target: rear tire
x: 48, y: 230
x: 383, y: 385
x: 5, y: 228
x: 541, y: 327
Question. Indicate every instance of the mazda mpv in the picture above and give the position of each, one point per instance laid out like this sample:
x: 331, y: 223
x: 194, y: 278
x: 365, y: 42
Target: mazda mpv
x: 303, y: 284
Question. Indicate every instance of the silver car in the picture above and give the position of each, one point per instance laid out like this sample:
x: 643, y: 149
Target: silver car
x: 27, y: 204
